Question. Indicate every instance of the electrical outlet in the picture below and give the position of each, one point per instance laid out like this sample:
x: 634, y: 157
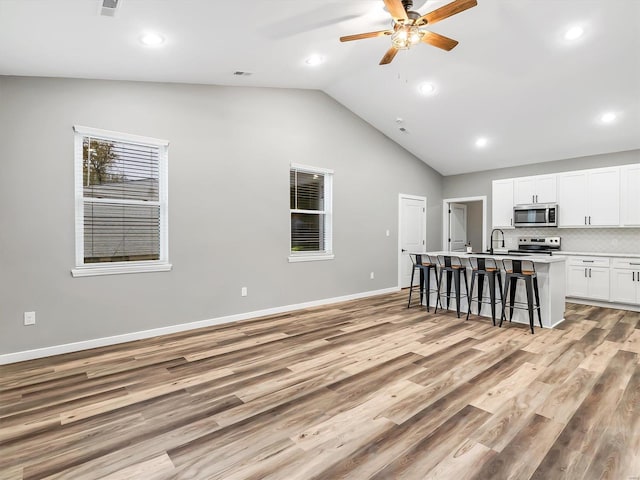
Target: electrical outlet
x: 243, y: 292
x: 371, y: 276
x: 29, y: 318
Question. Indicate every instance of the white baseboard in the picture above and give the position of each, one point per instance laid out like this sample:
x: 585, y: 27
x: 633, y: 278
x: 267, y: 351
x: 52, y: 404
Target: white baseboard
x: 129, y: 337
x: 598, y: 303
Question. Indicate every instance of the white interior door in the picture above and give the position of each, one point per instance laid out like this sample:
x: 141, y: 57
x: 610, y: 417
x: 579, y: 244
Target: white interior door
x: 457, y: 227
x: 413, y: 233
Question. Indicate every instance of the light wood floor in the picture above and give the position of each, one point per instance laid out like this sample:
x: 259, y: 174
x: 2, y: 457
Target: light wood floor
x: 358, y: 390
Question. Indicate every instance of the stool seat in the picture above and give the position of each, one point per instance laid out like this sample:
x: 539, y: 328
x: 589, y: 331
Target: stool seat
x: 524, y: 272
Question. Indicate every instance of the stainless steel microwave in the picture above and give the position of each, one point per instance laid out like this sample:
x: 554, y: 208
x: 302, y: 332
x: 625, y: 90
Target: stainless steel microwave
x: 536, y: 215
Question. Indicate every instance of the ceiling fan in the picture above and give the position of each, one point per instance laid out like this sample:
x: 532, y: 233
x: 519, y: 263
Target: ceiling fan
x: 406, y: 30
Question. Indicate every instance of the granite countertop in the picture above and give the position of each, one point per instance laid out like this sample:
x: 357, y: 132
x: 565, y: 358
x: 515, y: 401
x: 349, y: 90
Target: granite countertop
x: 500, y: 256
x: 601, y: 254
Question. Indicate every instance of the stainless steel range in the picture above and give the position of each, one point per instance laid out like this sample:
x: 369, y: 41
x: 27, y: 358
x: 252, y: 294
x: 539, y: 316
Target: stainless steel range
x: 539, y: 245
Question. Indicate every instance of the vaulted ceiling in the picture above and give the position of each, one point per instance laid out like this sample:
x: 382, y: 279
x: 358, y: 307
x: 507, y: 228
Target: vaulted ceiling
x: 514, y: 79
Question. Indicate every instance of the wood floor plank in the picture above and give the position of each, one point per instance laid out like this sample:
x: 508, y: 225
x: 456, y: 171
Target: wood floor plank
x: 355, y: 390
x: 571, y: 452
x: 157, y: 468
x: 622, y: 433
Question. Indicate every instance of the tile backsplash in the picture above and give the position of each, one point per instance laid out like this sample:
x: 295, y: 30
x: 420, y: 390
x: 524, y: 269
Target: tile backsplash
x: 597, y: 240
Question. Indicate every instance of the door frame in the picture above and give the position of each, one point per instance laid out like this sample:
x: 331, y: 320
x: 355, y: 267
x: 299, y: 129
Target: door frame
x: 445, y: 218
x: 402, y: 196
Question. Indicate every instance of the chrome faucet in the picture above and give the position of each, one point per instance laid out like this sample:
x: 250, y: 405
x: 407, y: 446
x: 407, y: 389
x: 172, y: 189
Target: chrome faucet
x: 492, y: 232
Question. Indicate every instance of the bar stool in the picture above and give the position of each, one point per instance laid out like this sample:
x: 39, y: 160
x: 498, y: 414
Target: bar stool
x: 425, y: 265
x: 454, y: 268
x: 525, y: 270
x: 481, y: 267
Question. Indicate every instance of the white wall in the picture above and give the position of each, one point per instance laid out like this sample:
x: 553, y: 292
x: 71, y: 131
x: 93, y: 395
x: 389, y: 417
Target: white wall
x: 228, y: 216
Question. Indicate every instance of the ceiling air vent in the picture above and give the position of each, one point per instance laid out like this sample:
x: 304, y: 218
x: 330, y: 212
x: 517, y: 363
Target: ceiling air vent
x: 109, y: 7
x: 242, y: 74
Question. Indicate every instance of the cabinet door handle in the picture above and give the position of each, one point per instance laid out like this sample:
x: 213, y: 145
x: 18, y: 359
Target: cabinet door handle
x: 589, y: 219
x: 589, y: 273
x: 631, y: 263
x: 585, y: 220
x: 588, y: 261
x: 585, y: 273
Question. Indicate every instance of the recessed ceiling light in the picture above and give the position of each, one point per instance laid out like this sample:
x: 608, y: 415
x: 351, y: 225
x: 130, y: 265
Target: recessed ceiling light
x: 151, y: 39
x: 314, y: 60
x: 608, y: 117
x: 574, y: 33
x: 482, y: 142
x: 427, y: 89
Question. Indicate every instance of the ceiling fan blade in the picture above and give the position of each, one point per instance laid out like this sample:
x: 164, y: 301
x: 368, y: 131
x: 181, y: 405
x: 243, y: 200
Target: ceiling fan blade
x: 388, y: 57
x: 396, y: 9
x: 439, y: 41
x: 360, y: 36
x: 448, y: 10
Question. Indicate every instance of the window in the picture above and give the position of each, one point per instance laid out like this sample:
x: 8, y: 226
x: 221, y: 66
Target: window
x: 310, y: 194
x: 121, y: 203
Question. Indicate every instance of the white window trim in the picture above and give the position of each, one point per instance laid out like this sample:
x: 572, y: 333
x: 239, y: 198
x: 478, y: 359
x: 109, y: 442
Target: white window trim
x: 295, y: 257
x: 113, y: 268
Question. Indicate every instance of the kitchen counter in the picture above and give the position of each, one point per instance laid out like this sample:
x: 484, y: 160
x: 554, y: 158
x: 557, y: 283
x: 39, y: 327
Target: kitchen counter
x: 551, y: 280
x: 600, y: 254
x: 535, y: 258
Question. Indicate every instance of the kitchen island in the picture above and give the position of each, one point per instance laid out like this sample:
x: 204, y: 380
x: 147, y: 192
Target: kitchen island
x: 551, y: 281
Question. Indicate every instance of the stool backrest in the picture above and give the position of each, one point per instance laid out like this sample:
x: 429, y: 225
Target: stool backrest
x: 483, y: 263
x: 449, y: 261
x: 518, y: 266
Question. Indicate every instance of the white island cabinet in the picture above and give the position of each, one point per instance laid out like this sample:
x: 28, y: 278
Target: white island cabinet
x: 551, y: 281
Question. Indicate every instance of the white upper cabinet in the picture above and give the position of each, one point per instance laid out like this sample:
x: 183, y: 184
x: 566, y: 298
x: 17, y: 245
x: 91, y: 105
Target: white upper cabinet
x: 630, y: 195
x: 502, y: 203
x: 589, y: 198
x: 537, y: 189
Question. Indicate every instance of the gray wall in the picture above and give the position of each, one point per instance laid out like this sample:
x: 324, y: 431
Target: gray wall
x: 228, y: 216
x: 479, y: 183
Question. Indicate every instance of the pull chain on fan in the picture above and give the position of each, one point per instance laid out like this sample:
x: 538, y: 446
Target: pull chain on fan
x: 407, y: 28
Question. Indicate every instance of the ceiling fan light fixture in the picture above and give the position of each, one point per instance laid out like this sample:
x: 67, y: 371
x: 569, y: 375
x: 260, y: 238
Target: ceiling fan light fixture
x: 406, y: 37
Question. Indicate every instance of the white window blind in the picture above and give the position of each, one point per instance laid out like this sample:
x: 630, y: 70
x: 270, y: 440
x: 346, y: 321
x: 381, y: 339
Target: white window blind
x: 121, y: 203
x: 310, y: 195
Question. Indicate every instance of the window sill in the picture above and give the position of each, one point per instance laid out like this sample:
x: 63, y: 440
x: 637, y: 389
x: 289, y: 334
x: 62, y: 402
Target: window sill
x: 119, y: 269
x: 311, y: 257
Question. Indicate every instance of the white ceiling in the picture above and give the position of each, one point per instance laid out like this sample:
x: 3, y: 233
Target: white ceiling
x: 513, y: 78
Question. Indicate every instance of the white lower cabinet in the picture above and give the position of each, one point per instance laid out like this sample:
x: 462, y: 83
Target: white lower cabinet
x: 625, y: 280
x: 588, y: 277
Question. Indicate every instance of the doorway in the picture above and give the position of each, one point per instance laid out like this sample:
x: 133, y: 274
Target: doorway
x: 412, y: 233
x: 464, y: 222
